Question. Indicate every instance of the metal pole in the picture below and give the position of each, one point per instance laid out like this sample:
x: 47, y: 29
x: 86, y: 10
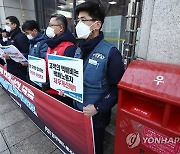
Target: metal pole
x: 131, y: 30
x: 128, y: 44
x: 135, y: 29
x: 22, y: 11
x: 73, y: 17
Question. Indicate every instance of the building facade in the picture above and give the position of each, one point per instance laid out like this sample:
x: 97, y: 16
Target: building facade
x: 158, y: 23
x: 22, y: 9
x: 160, y: 31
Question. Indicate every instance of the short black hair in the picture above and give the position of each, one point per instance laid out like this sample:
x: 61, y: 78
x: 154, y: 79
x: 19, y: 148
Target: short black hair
x: 30, y: 25
x: 60, y: 18
x: 4, y: 30
x: 94, y: 10
x: 13, y: 20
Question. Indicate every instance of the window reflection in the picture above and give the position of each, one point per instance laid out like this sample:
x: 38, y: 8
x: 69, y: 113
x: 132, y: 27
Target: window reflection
x: 115, y: 21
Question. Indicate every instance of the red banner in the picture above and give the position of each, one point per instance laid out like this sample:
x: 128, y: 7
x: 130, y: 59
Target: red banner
x: 69, y: 129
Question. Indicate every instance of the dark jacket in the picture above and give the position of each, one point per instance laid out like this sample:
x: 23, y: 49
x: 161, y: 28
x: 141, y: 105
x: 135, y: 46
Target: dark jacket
x: 114, y: 71
x: 8, y: 42
x: 38, y: 46
x: 21, y: 42
x: 2, y: 62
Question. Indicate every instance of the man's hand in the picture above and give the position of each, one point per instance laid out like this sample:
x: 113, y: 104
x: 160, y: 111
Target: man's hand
x: 61, y: 93
x: 6, y: 56
x: 23, y: 63
x: 89, y: 110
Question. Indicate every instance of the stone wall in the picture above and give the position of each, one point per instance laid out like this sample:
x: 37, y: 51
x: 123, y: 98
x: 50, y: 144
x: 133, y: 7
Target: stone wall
x: 160, y: 31
x: 22, y: 9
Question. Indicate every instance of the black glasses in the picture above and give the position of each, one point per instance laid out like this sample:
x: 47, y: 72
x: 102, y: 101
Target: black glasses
x: 83, y: 20
x: 53, y: 25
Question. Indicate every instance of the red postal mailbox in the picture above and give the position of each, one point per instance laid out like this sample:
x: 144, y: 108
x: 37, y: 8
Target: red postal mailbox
x: 148, y: 114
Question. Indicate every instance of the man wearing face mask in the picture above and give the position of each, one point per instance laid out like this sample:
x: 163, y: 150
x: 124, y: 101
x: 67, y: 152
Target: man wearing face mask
x: 21, y: 42
x: 37, y: 38
x: 5, y: 40
x: 62, y: 43
x: 103, y: 69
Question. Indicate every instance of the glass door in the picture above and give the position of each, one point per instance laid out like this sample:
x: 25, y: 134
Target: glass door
x: 115, y: 21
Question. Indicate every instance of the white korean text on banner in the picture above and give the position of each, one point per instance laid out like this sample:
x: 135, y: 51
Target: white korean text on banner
x: 66, y: 74
x: 68, y: 128
x: 37, y: 70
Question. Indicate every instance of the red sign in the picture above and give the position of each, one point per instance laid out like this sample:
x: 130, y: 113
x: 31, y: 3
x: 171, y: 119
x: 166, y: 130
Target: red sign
x: 69, y: 129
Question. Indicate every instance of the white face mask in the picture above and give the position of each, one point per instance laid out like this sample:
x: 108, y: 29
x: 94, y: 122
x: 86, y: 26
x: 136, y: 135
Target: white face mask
x: 5, y: 39
x: 50, y: 32
x: 8, y: 29
x: 30, y: 37
x: 82, y: 30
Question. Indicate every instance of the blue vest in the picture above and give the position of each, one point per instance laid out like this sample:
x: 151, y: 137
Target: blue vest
x: 34, y: 50
x: 95, y: 74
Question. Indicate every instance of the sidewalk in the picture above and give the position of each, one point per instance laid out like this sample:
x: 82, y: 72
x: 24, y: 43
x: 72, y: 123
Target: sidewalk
x: 18, y: 134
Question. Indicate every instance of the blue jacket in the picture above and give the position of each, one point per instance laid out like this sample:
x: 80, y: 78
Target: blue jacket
x: 38, y: 46
x: 103, y: 69
x: 21, y: 42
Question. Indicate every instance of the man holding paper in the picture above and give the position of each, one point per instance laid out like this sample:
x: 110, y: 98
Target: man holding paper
x: 21, y: 42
